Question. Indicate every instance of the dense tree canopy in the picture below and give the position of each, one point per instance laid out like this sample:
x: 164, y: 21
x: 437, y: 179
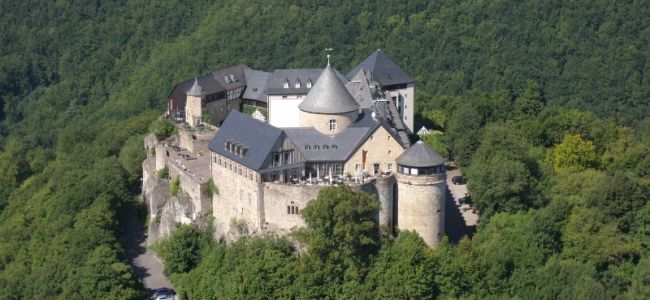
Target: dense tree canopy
x: 509, y: 83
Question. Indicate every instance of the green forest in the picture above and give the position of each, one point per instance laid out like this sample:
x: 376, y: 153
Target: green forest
x: 545, y: 106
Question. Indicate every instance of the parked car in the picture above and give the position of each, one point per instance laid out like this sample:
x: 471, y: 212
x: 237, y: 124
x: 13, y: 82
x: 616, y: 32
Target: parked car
x: 458, y: 180
x: 464, y: 200
x: 164, y: 294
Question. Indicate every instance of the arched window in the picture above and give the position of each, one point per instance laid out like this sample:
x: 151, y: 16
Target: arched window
x: 307, y: 147
x: 333, y: 125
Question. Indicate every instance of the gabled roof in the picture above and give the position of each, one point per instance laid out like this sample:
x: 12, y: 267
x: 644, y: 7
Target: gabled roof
x: 383, y: 69
x: 256, y: 84
x: 244, y: 130
x: 360, y: 90
x: 275, y: 85
x: 211, y: 83
x: 328, y: 96
x: 420, y: 155
x: 346, y: 142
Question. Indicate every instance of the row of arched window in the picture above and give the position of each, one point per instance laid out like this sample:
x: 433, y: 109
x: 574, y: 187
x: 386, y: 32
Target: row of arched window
x: 323, y: 147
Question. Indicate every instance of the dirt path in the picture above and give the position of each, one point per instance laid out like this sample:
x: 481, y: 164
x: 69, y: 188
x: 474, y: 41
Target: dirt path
x: 147, y: 267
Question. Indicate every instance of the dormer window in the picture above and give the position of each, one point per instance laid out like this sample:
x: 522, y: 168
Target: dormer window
x: 286, y: 84
x: 297, y: 85
x: 309, y: 84
x: 333, y: 125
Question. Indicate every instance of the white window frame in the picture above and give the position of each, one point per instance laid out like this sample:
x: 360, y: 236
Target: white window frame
x: 333, y: 125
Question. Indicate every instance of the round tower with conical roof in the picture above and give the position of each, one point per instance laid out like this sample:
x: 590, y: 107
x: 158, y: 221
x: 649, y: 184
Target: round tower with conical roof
x: 422, y: 191
x: 193, y: 104
x: 328, y: 107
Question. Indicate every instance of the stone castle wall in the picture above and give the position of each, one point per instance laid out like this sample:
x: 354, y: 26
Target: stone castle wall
x: 278, y: 200
x: 421, y: 206
x: 383, y: 188
x: 238, y: 206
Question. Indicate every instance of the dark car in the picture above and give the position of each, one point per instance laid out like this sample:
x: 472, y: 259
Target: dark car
x: 458, y: 180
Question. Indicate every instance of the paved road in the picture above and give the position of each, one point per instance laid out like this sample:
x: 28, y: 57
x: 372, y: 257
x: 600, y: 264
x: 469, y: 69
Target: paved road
x: 460, y: 219
x: 147, y: 267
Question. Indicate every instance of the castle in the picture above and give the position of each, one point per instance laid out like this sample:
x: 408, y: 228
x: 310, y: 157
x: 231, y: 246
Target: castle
x: 305, y: 129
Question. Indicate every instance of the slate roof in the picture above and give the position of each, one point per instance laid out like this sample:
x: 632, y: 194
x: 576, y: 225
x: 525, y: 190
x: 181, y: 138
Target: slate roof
x: 420, y: 155
x: 211, y: 83
x: 195, y: 90
x: 258, y: 136
x: 261, y: 137
x: 347, y: 141
x: 384, y: 70
x: 256, y: 84
x: 360, y: 90
x: 340, y: 146
x: 275, y: 85
x: 328, y: 96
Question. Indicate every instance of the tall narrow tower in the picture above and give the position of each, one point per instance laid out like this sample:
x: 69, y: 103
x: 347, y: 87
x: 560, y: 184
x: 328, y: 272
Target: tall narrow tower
x: 193, y: 105
x: 422, y: 191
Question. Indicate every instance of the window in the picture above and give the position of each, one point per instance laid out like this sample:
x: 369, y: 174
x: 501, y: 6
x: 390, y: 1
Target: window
x: 297, y: 85
x: 276, y: 159
x: 333, y: 125
x: 390, y: 167
x: 292, y: 210
x: 250, y: 199
x: 326, y: 147
x: 286, y: 84
x: 357, y: 167
x: 308, y: 84
x: 316, y: 147
x: 307, y: 147
x: 284, y: 97
x: 334, y: 147
x: 389, y: 152
x: 389, y: 137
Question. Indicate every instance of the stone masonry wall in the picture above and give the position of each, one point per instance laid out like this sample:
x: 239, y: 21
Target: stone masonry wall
x: 421, y: 206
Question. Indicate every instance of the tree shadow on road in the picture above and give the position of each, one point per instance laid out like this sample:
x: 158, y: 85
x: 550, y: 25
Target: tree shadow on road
x: 455, y: 227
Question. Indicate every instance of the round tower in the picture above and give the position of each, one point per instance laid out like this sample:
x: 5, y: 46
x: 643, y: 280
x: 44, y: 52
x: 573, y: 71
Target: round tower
x: 193, y: 105
x: 328, y: 107
x: 422, y: 191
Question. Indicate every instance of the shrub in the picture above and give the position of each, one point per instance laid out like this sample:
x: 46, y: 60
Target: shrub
x: 163, y: 173
x: 175, y: 186
x: 162, y: 128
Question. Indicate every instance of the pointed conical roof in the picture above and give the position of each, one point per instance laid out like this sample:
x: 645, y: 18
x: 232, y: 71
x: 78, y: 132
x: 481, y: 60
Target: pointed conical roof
x: 420, y: 155
x: 328, y: 96
x: 196, y: 89
x: 384, y: 70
